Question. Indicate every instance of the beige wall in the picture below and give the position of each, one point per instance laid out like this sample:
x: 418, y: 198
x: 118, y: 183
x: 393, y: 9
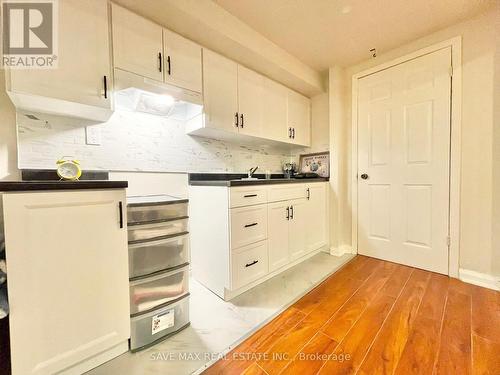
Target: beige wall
x: 479, y: 224
x: 8, y: 147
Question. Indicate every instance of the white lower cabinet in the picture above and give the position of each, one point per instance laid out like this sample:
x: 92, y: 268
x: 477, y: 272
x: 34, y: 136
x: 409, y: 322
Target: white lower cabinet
x: 241, y: 236
x: 68, y: 279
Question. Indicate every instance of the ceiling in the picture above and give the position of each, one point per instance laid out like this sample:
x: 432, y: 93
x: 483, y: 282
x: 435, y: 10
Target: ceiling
x: 323, y: 33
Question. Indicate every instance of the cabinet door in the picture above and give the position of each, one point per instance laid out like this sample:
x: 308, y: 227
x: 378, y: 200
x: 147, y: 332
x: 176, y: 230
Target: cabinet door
x: 316, y: 216
x: 250, y: 104
x: 298, y: 227
x: 137, y: 44
x: 278, y: 235
x: 182, y: 62
x: 275, y: 111
x: 299, y: 118
x: 68, y: 278
x: 220, y: 91
x: 82, y: 65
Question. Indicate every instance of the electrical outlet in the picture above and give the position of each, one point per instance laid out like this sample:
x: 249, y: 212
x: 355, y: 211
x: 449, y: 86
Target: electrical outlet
x: 93, y: 135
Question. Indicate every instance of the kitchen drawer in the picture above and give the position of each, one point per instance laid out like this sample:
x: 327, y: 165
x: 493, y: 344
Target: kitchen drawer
x: 249, y: 264
x: 150, y: 328
x: 156, y: 213
x: 156, y: 230
x: 152, y: 256
x: 159, y: 289
x: 247, y: 195
x: 286, y: 192
x: 248, y: 225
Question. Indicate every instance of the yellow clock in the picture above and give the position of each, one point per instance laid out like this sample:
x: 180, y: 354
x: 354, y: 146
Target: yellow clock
x: 68, y: 169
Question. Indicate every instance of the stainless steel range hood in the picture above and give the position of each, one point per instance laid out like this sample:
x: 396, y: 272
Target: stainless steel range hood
x: 136, y: 93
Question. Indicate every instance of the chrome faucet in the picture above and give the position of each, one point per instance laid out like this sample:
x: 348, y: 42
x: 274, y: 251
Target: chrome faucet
x: 252, y: 171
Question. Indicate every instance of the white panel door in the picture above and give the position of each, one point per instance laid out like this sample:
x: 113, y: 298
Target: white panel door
x: 297, y: 229
x: 275, y: 111
x: 137, y: 44
x: 82, y: 64
x: 250, y: 101
x: 403, y: 162
x: 220, y: 92
x: 68, y: 277
x: 182, y: 62
x: 278, y: 219
x: 316, y: 216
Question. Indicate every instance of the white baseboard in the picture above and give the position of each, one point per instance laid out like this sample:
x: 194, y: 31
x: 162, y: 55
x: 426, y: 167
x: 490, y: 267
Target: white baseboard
x: 479, y: 279
x: 341, y: 250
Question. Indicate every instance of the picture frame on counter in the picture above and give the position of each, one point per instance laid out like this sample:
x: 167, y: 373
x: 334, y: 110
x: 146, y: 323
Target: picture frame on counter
x: 318, y: 162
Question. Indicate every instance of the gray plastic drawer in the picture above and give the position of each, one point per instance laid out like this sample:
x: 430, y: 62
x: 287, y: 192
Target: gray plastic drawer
x: 148, y: 329
x: 150, y: 292
x: 156, y: 213
x: 151, y: 231
x: 152, y: 256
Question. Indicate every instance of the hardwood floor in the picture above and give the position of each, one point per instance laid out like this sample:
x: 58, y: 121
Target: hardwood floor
x: 376, y: 317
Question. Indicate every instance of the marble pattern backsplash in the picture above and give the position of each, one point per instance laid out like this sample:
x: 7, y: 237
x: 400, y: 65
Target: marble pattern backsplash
x: 133, y: 141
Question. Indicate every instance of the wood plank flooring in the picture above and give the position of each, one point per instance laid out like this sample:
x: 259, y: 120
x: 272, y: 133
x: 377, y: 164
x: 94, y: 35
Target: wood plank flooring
x: 376, y: 317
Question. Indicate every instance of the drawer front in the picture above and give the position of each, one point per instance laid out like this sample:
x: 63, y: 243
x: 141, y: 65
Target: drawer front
x: 248, y: 225
x: 148, y: 257
x: 247, y: 196
x: 249, y: 264
x: 286, y: 192
x: 154, y: 326
x: 157, y: 290
x: 156, y: 213
x: 151, y: 231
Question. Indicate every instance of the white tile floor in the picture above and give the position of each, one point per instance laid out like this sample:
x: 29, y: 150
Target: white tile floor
x: 217, y: 325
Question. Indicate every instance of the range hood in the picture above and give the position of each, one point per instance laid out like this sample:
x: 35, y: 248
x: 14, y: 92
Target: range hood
x: 136, y: 93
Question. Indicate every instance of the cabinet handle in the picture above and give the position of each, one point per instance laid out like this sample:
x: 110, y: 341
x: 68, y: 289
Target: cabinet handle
x: 291, y: 212
x: 289, y: 132
x: 288, y: 213
x: 308, y: 193
x: 120, y: 209
x: 242, y: 120
x: 160, y: 63
x: 250, y: 196
x: 105, y: 82
x: 236, y: 119
x: 251, y: 225
x: 169, y: 66
x: 293, y: 133
x: 251, y: 264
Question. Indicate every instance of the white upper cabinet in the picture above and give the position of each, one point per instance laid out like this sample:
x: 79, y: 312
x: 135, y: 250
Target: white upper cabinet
x: 250, y: 90
x: 137, y: 44
x: 76, y: 87
x: 275, y: 110
x: 220, y: 92
x: 182, y: 61
x: 299, y: 119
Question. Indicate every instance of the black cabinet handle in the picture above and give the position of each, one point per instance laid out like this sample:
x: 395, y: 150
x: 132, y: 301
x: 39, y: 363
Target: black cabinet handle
x: 290, y: 133
x: 250, y: 196
x: 251, y: 264
x: 251, y: 225
x: 291, y: 212
x: 120, y: 209
x: 308, y: 193
x: 242, y: 120
x: 293, y: 133
x: 236, y: 119
x: 160, y: 62
x: 288, y: 213
x: 169, y: 66
x: 105, y: 81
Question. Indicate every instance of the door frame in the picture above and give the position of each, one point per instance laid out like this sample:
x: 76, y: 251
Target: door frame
x: 455, y: 144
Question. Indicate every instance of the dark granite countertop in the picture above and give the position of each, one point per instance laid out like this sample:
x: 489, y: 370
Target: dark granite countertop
x: 6, y: 186
x: 228, y: 179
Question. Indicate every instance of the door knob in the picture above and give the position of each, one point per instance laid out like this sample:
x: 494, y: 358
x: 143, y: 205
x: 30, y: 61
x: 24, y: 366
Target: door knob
x: 364, y: 176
